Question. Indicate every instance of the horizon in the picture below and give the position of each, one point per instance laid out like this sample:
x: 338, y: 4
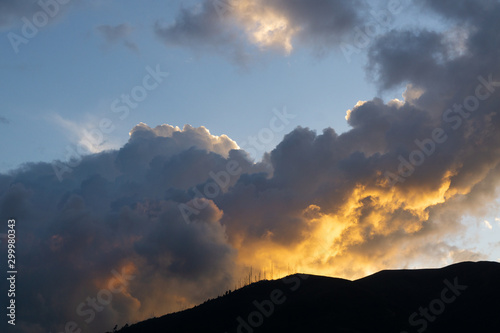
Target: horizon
x: 264, y: 310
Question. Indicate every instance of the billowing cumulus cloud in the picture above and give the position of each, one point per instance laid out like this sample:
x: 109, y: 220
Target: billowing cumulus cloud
x: 229, y: 26
x: 114, y: 33
x: 179, y: 215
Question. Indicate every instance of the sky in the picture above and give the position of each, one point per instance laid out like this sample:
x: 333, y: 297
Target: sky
x: 154, y: 152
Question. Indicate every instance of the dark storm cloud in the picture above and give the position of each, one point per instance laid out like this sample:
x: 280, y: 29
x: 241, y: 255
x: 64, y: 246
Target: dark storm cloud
x: 118, y: 210
x: 202, y: 31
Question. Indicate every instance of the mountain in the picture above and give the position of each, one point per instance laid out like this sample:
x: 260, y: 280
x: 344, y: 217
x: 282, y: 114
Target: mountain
x: 463, y: 297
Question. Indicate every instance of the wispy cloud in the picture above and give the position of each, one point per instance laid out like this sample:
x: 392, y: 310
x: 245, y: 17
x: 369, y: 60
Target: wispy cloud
x: 83, y: 134
x: 116, y: 34
x: 488, y: 224
x: 12, y: 12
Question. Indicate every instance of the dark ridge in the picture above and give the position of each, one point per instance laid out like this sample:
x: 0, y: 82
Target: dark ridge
x: 462, y: 297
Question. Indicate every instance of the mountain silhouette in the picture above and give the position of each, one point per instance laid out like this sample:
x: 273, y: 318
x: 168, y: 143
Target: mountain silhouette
x: 463, y: 297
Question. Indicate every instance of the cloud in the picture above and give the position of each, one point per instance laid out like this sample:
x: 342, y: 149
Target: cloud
x: 118, y: 33
x: 4, y: 120
x: 237, y: 28
x: 394, y: 65
x: 83, y: 135
x: 187, y: 137
x: 488, y: 224
x: 112, y: 34
x: 468, y: 10
x: 12, y: 11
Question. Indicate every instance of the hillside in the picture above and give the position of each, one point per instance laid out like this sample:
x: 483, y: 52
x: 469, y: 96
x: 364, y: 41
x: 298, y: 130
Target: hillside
x: 462, y: 297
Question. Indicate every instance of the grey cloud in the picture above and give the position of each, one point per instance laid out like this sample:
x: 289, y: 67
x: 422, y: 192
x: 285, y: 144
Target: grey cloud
x: 328, y: 170
x: 202, y: 31
x: 118, y: 33
x: 427, y: 58
x: 114, y: 33
x: 469, y: 10
x: 417, y: 56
